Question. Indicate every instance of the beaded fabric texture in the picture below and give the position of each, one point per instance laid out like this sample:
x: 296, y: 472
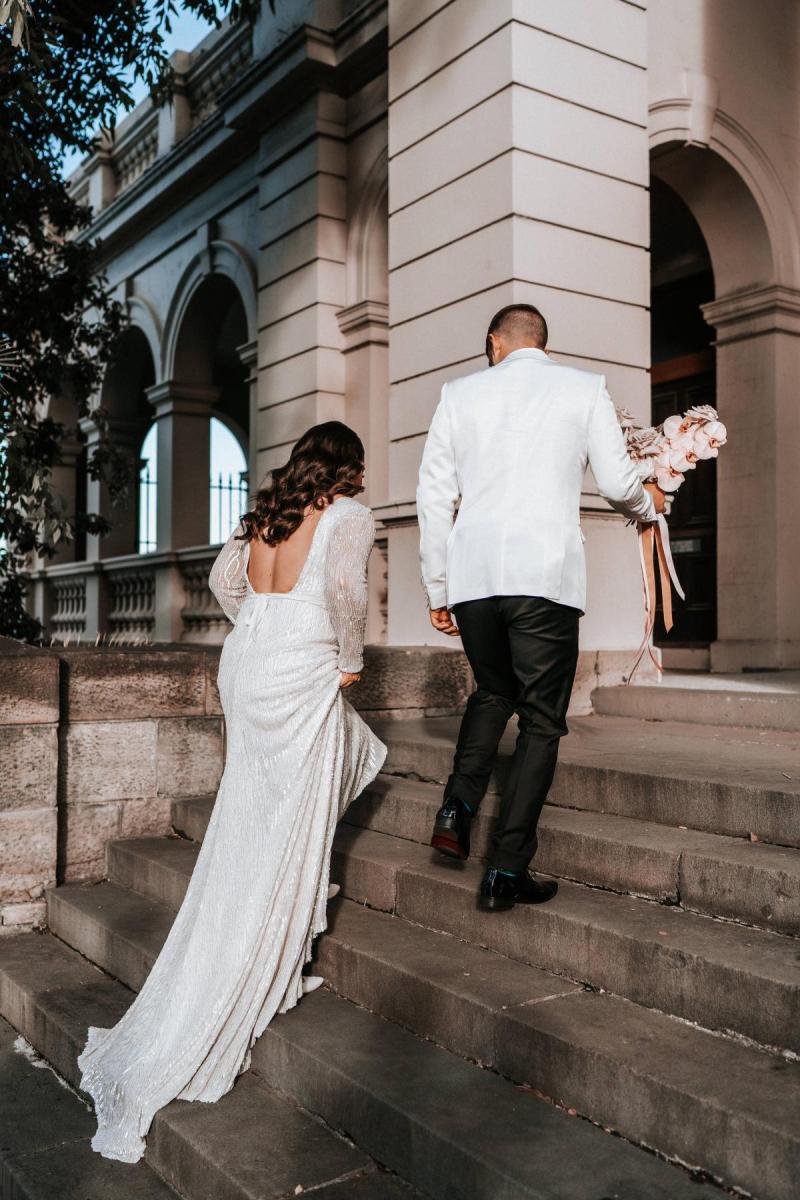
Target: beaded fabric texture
x: 297, y: 754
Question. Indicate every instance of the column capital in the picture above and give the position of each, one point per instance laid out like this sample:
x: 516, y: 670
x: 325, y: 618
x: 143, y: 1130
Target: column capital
x: 366, y: 321
x: 126, y: 432
x: 248, y: 353
x: 188, y: 399
x: 773, y: 309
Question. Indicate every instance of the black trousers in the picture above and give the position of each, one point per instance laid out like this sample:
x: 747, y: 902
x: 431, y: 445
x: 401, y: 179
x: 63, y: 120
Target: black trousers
x: 523, y: 651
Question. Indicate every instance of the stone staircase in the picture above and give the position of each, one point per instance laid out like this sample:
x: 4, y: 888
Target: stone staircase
x: 476, y: 1056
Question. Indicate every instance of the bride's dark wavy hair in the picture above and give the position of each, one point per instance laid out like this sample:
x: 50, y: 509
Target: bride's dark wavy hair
x: 324, y: 463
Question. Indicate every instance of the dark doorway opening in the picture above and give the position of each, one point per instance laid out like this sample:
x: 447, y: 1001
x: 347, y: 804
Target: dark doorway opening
x: 684, y: 374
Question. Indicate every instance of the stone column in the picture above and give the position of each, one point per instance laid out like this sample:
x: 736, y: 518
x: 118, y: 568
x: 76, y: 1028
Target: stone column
x: 518, y: 171
x: 121, y: 538
x: 248, y: 356
x: 183, y: 462
x: 365, y: 327
x: 758, y: 479
x: 301, y: 276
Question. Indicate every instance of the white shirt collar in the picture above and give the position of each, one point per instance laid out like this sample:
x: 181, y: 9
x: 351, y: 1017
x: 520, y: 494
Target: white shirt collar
x: 525, y: 352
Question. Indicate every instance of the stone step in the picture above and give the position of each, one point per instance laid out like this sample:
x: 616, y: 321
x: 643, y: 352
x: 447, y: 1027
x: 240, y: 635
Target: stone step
x: 708, y: 1101
x: 46, y: 1131
x: 190, y: 816
x: 722, y: 975
x: 454, y: 1129
x: 620, y: 1064
x: 764, y: 702
x: 754, y: 883
x: 253, y: 1144
x: 751, y: 882
x: 734, y: 782
x: 460, y: 1131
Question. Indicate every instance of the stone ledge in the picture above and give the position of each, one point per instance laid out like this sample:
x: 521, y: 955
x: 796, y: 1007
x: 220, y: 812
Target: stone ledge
x: 28, y: 684
x: 102, y: 683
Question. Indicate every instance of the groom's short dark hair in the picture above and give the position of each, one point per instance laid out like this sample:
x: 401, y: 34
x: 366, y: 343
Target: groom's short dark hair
x: 521, y: 321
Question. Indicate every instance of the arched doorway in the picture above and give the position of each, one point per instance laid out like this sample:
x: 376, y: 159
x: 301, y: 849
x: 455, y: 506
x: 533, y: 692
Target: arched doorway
x: 683, y: 374
x: 732, y: 195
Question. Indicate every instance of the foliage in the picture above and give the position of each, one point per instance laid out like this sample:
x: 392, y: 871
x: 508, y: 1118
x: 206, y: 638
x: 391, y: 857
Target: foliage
x: 66, y: 68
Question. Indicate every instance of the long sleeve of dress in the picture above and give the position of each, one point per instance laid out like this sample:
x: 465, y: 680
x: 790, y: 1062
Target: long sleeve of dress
x: 611, y: 464
x: 437, y: 497
x: 349, y: 548
x: 227, y: 579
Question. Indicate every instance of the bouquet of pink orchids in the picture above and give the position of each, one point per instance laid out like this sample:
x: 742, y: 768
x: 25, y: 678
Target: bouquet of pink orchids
x: 662, y: 454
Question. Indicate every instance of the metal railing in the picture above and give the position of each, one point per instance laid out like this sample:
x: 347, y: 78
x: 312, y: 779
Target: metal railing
x: 228, y: 502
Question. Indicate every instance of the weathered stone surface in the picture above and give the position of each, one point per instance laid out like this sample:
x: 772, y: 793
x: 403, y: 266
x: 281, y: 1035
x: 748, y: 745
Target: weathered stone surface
x: 772, y: 706
x: 28, y: 684
x: 213, y: 705
x: 35, y: 1111
x: 449, y: 1127
x: 191, y: 814
x: 158, y: 868
x: 108, y: 760
x: 75, y: 1172
x: 145, y: 818
x: 85, y: 831
x: 31, y: 914
x: 723, y: 976
x: 28, y: 766
x: 397, y: 677
x: 690, y: 1094
x: 450, y: 992
x: 676, y: 774
x: 748, y: 881
x: 370, y: 877
x: 711, y: 1102
x: 117, y: 929
x: 190, y: 755
x: 250, y: 1143
x: 52, y: 995
x: 104, y: 683
x: 28, y: 855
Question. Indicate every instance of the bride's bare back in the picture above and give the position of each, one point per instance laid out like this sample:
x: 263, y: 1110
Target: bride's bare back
x: 277, y: 568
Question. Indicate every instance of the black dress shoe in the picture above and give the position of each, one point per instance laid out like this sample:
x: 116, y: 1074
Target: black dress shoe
x: 451, y: 829
x: 501, y: 891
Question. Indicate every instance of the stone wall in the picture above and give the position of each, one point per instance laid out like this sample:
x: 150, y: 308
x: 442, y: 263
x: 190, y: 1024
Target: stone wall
x: 98, y: 741
x: 29, y: 710
x: 139, y: 727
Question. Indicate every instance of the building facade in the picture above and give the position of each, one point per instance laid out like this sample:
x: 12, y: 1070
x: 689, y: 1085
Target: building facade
x: 322, y: 222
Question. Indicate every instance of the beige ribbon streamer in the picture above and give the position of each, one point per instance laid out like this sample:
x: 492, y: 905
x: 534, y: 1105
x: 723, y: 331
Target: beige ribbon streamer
x: 654, y: 547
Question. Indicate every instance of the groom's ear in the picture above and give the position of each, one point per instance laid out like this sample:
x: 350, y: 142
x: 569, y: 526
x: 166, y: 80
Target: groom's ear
x: 489, y: 349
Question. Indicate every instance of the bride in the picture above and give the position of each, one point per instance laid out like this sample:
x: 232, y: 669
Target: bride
x: 292, y: 578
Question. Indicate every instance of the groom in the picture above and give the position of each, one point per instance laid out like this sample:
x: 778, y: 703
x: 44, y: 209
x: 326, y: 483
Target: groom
x: 507, y: 449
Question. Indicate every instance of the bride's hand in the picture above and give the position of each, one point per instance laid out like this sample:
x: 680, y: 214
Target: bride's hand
x: 347, y: 679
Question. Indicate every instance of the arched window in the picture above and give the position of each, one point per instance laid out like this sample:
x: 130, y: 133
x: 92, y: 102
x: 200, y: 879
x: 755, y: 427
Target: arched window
x: 227, y: 487
x: 228, y: 484
x: 148, y: 490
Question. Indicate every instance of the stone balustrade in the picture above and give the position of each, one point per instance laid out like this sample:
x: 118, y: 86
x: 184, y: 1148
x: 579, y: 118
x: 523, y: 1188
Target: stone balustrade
x: 161, y: 597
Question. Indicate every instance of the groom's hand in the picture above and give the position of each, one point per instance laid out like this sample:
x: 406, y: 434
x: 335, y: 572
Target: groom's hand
x: 659, y: 497
x: 441, y: 620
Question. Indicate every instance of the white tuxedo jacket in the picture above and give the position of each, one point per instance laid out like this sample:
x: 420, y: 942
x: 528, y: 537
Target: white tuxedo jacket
x: 508, y: 448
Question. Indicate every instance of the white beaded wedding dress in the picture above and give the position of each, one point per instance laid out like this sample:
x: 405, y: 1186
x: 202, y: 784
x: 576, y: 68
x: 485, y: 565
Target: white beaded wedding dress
x: 297, y: 754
